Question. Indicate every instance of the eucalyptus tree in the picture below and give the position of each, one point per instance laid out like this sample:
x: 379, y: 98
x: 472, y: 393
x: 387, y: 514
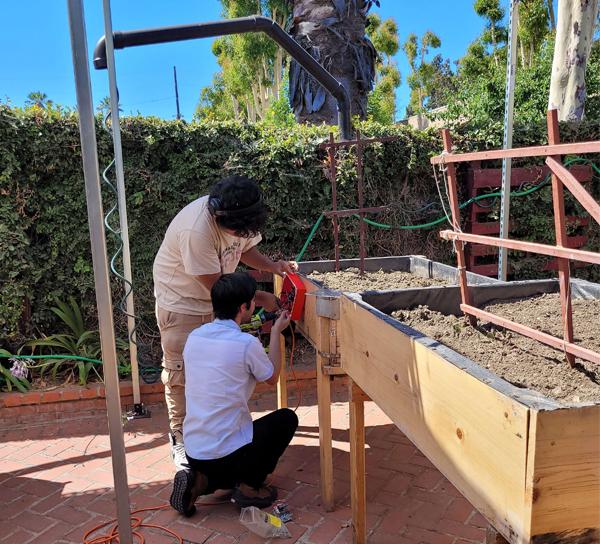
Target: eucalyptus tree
x: 252, y: 66
x: 574, y: 36
x: 381, y: 105
x: 533, y: 29
x: 494, y: 33
x: 422, y: 71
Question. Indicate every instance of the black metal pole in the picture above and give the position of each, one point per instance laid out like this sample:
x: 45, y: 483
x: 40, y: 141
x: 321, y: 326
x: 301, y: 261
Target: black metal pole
x: 241, y: 25
x: 176, y: 92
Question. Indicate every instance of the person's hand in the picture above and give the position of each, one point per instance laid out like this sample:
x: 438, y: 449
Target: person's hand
x: 282, y: 322
x: 285, y: 267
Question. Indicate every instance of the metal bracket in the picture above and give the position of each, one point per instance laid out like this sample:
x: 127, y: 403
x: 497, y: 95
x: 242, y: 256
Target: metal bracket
x: 327, y: 305
x: 137, y: 411
x: 327, y: 355
x: 330, y: 370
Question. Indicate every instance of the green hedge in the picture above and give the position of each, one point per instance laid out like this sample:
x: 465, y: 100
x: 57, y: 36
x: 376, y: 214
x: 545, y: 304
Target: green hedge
x: 44, y: 240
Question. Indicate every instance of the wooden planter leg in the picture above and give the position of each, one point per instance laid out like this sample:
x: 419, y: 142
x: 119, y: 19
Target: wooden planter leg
x: 282, y: 392
x: 358, y: 491
x: 494, y: 537
x: 324, y: 403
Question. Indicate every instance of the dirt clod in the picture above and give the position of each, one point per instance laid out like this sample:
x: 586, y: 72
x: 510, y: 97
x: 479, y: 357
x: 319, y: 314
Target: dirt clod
x: 520, y: 360
x: 351, y: 280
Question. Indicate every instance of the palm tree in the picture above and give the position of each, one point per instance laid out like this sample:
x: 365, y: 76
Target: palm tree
x: 333, y: 32
x: 38, y: 99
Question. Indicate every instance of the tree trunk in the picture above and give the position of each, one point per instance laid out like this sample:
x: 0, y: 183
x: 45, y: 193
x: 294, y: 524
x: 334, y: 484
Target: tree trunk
x: 333, y: 32
x: 236, y: 107
x: 494, y: 45
x: 551, y: 14
x: 522, y: 52
x: 574, y: 34
x: 277, y: 71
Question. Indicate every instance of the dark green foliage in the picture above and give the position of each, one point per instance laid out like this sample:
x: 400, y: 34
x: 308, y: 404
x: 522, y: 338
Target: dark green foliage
x: 44, y: 238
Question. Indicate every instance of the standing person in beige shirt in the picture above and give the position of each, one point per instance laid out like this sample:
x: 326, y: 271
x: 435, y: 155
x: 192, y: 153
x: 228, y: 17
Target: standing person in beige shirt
x: 206, y: 239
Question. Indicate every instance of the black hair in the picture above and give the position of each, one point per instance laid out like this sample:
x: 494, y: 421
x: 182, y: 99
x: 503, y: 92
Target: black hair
x: 230, y: 291
x: 236, y: 203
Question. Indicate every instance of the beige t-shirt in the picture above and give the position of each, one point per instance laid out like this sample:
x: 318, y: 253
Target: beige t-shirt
x: 194, y: 245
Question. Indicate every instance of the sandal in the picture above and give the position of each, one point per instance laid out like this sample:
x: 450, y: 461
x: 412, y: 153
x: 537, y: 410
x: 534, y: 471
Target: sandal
x: 244, y: 501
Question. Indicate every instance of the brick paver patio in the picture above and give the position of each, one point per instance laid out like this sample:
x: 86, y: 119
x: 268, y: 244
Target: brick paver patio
x: 56, y: 478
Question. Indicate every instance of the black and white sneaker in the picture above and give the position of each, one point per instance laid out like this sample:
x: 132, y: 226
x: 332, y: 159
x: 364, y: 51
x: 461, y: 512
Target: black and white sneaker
x: 178, y: 454
x: 181, y: 496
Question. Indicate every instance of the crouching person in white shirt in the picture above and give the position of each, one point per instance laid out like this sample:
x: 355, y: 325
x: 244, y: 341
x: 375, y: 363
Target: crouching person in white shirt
x: 224, y: 447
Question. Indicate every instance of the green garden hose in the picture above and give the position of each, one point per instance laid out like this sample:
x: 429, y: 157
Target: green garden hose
x: 443, y: 218
x: 313, y: 231
x: 58, y: 356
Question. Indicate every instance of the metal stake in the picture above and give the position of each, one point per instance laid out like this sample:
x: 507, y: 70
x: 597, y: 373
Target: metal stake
x: 91, y: 172
x: 122, y: 203
x: 509, y: 103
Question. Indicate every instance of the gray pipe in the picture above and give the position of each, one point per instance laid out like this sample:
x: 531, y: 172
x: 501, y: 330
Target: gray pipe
x: 241, y: 25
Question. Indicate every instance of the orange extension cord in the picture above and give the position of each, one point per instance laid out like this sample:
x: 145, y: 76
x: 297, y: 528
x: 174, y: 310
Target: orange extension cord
x: 296, y: 382
x: 136, y: 522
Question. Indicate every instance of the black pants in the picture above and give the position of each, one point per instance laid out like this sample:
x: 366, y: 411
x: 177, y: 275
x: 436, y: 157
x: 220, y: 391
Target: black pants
x: 251, y: 463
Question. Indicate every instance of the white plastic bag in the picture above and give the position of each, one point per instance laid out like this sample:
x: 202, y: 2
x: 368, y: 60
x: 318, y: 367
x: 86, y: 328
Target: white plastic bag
x: 263, y: 524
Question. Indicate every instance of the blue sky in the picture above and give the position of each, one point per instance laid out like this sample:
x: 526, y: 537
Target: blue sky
x: 35, y: 45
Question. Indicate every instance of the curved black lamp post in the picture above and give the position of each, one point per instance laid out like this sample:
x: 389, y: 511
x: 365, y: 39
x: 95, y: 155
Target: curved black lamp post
x: 132, y: 38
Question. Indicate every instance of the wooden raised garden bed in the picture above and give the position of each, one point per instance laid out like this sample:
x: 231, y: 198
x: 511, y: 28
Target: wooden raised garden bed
x: 528, y: 463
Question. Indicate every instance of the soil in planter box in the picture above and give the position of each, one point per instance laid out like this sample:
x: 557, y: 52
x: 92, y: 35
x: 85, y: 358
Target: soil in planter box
x: 351, y: 280
x: 520, y: 360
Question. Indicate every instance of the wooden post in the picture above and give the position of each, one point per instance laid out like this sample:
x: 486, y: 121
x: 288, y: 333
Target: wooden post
x: 455, y: 210
x: 282, y: 392
x: 361, y: 202
x: 334, y: 219
x: 564, y: 275
x: 327, y: 344
x: 358, y: 490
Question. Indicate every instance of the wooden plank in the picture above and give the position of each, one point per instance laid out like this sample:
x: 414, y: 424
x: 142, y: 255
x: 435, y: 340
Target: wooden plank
x: 282, y: 389
x: 563, y: 480
x: 455, y: 210
x: 308, y: 326
x: 480, y: 251
x: 324, y: 408
x: 490, y: 178
x: 534, y: 151
x: 571, y: 183
x: 560, y: 228
x: 533, y: 247
x: 489, y: 227
x: 475, y: 435
x: 553, y: 341
x: 333, y: 180
x: 358, y: 489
